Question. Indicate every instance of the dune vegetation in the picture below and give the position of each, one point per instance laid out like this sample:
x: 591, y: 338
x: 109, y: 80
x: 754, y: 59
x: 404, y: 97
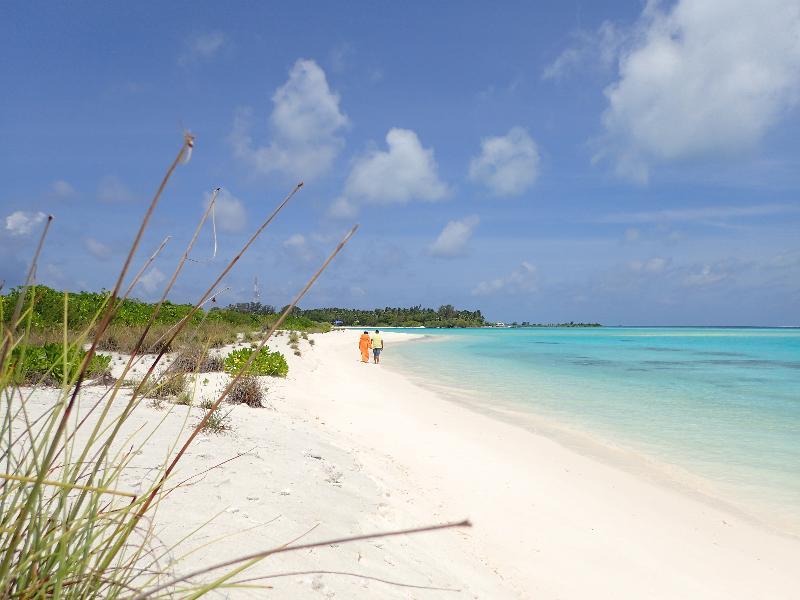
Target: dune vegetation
x: 69, y: 525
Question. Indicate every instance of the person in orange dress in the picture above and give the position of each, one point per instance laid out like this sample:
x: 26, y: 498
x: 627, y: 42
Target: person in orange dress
x: 364, y: 344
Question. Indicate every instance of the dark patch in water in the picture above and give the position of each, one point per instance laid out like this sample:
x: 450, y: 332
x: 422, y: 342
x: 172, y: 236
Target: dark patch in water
x: 585, y: 361
x: 547, y: 343
x: 668, y: 364
x: 752, y: 363
x: 718, y: 353
x: 657, y: 349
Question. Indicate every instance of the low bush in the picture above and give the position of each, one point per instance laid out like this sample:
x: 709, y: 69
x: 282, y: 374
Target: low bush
x: 247, y: 391
x: 54, y: 364
x: 195, y: 359
x: 218, y: 421
x: 168, y: 385
x: 184, y: 398
x: 265, y: 362
x: 293, y: 337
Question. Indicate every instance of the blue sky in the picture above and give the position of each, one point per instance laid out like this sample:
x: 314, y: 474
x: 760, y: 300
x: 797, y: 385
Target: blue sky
x: 620, y: 162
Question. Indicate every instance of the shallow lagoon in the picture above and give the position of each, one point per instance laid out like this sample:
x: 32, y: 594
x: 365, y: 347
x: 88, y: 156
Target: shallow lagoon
x: 717, y: 408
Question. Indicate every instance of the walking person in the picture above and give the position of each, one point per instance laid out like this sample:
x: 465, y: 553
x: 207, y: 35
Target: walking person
x: 364, y: 344
x: 377, y: 346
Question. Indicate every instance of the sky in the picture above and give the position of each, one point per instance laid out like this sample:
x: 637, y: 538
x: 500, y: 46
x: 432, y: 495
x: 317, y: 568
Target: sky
x: 614, y: 162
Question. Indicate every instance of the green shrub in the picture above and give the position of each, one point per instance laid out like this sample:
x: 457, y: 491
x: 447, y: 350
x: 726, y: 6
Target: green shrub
x: 265, y: 362
x: 293, y: 338
x: 48, y: 363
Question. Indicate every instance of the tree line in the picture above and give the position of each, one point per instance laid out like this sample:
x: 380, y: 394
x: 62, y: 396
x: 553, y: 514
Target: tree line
x: 414, y: 316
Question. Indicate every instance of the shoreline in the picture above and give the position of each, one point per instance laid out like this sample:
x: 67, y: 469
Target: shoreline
x: 346, y: 448
x: 451, y: 445
x: 622, y: 456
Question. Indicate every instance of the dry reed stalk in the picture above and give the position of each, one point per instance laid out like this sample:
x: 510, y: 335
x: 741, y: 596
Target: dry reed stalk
x: 106, y: 319
x: 122, y: 533
x: 238, y: 582
x: 7, y: 335
x: 138, y: 345
x: 147, y: 263
x: 293, y: 548
x: 247, y: 364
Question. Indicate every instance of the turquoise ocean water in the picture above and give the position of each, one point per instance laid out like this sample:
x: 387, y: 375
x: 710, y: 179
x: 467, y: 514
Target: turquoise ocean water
x: 715, y: 410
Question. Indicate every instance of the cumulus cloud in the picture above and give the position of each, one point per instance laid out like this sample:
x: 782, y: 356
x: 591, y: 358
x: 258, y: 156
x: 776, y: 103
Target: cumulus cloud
x: 508, y: 165
x: 704, y: 78
x: 452, y: 241
x: 62, y: 189
x: 201, y: 47
x: 22, y: 223
x: 229, y: 212
x: 306, y: 123
x: 523, y: 279
x: 404, y: 172
x: 97, y: 249
x: 150, y: 281
x: 111, y: 189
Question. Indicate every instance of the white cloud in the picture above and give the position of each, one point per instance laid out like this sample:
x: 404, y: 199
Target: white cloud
x: 600, y: 47
x: 342, y: 208
x: 297, y: 247
x: 229, y: 212
x: 508, y: 165
x: 406, y: 171
x: 700, y: 214
x: 705, y: 276
x: 452, y: 241
x: 704, y: 78
x: 298, y: 240
x: 111, y: 189
x: 306, y: 122
x: 201, y: 47
x: 97, y: 249
x: 150, y: 281
x: 522, y: 279
x: 653, y: 265
x: 62, y: 189
x: 22, y: 223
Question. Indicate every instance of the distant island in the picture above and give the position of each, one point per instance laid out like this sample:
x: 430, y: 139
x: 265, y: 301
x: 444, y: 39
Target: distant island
x: 446, y: 316
x: 527, y: 324
x: 49, y: 314
x: 416, y: 316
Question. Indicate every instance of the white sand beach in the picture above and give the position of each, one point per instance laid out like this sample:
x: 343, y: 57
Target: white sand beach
x: 348, y: 448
